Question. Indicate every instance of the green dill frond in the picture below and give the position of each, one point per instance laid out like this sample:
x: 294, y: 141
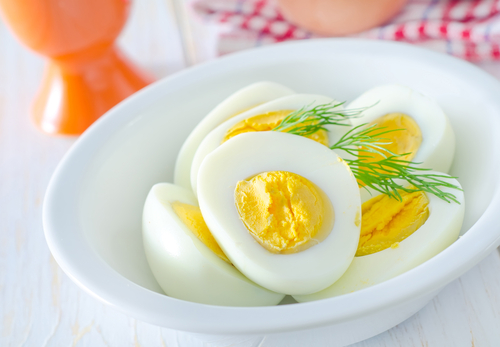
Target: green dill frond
x: 307, y: 121
x: 381, y: 176
x: 363, y: 138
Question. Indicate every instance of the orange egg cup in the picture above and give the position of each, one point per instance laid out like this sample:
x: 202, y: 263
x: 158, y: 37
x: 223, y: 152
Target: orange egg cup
x: 74, y: 93
x: 86, y: 74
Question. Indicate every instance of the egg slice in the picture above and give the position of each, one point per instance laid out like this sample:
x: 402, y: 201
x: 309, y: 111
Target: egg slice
x: 275, y: 183
x: 428, y: 134
x: 191, y: 267
x: 263, y: 118
x: 242, y: 100
x: 396, y: 252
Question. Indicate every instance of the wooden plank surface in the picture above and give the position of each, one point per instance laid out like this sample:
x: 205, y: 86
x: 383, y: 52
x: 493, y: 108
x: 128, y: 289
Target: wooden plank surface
x: 41, y: 306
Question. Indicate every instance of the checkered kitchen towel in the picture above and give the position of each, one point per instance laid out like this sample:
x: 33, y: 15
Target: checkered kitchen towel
x: 469, y: 29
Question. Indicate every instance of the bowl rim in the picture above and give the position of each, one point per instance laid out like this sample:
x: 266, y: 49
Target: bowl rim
x: 85, y: 267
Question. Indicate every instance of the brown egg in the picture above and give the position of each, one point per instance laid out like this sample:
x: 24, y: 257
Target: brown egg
x: 339, y: 17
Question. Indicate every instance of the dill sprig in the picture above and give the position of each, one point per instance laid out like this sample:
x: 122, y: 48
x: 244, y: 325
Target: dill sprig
x: 380, y: 175
x: 307, y: 121
x: 363, y: 138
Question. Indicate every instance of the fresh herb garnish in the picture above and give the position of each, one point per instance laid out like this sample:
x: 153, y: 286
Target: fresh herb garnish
x: 307, y: 121
x: 379, y: 175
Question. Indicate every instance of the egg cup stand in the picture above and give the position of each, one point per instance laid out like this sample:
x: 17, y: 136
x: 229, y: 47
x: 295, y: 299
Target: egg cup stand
x: 86, y: 75
x: 79, y: 88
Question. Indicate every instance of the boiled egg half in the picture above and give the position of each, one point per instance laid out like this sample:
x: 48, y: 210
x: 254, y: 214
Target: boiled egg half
x: 283, y: 208
x: 426, y: 135
x: 242, y: 100
x: 397, y: 236
x: 186, y: 260
x: 265, y: 118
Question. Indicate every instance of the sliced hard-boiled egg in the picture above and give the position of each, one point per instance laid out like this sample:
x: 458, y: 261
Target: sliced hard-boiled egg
x: 284, y: 209
x: 397, y: 236
x: 263, y: 118
x: 427, y: 134
x: 242, y: 100
x: 186, y: 260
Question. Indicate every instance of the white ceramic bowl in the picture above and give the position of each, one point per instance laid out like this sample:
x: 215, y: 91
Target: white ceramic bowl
x: 93, y: 206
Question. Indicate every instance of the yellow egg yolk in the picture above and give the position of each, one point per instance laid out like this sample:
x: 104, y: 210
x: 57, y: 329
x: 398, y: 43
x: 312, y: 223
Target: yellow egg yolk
x: 387, y: 221
x: 192, y: 217
x: 283, y: 211
x: 267, y: 122
x: 403, y: 141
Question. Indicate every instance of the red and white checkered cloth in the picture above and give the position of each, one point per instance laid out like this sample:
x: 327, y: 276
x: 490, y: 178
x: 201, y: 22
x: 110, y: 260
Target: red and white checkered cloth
x: 469, y: 29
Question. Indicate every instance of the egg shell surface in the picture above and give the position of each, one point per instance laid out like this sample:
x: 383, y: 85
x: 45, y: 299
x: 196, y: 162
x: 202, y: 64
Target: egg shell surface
x: 438, y: 139
x: 245, y: 98
x: 183, y: 266
x: 249, y: 154
x: 439, y: 231
x: 291, y: 102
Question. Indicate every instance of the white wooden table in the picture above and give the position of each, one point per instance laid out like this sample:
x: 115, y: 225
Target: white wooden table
x: 41, y: 306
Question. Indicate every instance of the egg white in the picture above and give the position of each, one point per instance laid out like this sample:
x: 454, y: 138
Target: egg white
x: 249, y: 154
x: 245, y: 98
x: 186, y: 268
x: 291, y: 102
x: 439, y: 231
x: 438, y: 139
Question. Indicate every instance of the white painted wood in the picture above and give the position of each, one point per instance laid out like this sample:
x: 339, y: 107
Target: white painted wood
x: 200, y: 36
x: 152, y: 37
x: 41, y: 306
